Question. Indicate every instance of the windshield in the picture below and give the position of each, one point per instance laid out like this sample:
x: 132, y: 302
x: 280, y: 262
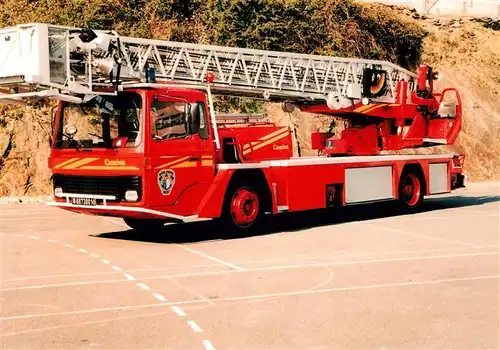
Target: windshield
x: 101, y: 122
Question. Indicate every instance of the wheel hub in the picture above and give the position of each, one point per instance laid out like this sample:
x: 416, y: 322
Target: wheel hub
x: 411, y: 189
x: 244, y: 207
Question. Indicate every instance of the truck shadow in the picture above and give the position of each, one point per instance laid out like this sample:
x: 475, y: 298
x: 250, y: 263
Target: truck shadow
x: 289, y: 222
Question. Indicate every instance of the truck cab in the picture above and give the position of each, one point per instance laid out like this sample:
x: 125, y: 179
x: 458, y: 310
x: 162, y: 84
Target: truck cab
x: 149, y: 155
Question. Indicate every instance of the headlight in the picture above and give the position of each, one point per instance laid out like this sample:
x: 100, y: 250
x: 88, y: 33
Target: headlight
x: 131, y: 196
x: 58, y: 192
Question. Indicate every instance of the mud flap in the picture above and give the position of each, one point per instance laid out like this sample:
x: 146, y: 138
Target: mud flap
x: 457, y: 181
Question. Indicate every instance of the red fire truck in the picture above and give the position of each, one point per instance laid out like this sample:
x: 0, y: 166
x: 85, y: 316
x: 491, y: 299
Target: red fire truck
x: 136, y: 135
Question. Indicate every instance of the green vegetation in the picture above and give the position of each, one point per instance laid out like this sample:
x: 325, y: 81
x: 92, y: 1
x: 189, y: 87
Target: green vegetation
x: 489, y: 23
x: 330, y: 27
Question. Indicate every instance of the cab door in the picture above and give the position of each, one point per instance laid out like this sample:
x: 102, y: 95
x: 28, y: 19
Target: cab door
x: 181, y: 153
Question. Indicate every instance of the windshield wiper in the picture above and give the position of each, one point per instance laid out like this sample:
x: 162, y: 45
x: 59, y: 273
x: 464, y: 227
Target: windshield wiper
x: 76, y: 143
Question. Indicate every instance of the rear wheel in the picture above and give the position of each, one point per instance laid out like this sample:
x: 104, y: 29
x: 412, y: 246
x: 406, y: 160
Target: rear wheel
x: 411, y: 190
x: 145, y: 225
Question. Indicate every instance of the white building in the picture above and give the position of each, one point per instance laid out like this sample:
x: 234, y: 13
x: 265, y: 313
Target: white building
x: 475, y: 8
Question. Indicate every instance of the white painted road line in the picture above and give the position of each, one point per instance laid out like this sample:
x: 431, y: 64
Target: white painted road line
x: 208, y: 345
x: 51, y: 241
x: 192, y: 291
x: 111, y: 272
x: 34, y: 237
x: 375, y: 261
x: 105, y: 261
x: 129, y: 277
x: 269, y: 268
x: 159, y: 297
x: 375, y: 253
x: 225, y: 263
x: 256, y: 296
x: 143, y: 286
x: 68, y: 246
x: 80, y: 324
x: 81, y: 250
x: 117, y: 268
x: 419, y: 235
x: 55, y: 285
x: 343, y: 289
x: 178, y: 311
x: 194, y: 326
x: 250, y: 262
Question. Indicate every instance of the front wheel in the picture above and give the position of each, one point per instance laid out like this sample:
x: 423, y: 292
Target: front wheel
x: 243, y: 211
x: 411, y: 191
x: 145, y: 225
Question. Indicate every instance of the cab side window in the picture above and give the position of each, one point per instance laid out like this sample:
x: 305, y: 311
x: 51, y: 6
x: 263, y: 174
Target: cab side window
x: 169, y: 120
x: 173, y: 120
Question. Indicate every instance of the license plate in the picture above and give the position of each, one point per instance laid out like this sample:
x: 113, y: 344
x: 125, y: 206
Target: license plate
x: 84, y: 201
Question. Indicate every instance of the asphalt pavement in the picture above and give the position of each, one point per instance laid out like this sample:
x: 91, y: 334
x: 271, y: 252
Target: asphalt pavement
x: 361, y: 277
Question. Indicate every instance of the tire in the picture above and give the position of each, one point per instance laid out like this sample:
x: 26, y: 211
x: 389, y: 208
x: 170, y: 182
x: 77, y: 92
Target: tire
x: 145, y: 225
x: 243, y: 210
x: 411, y: 191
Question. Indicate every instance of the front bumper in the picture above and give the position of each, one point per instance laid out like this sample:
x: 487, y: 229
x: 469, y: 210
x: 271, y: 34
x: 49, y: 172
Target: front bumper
x: 120, y: 211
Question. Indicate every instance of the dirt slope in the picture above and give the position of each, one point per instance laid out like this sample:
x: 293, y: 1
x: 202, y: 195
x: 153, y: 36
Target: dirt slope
x: 467, y: 55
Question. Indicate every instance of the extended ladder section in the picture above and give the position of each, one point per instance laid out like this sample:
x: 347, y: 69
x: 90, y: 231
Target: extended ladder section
x: 38, y: 60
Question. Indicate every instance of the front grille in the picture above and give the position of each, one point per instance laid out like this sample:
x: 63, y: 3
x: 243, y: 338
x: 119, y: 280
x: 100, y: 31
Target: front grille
x: 99, y: 185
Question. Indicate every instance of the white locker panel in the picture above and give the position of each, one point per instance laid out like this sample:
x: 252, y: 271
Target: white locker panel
x: 368, y: 184
x: 438, y: 178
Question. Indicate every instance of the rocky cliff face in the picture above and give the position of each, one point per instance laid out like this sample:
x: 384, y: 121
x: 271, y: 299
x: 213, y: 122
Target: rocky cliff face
x: 25, y: 149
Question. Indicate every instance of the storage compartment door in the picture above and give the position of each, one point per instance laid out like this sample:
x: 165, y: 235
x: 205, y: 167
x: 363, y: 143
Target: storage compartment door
x: 368, y: 184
